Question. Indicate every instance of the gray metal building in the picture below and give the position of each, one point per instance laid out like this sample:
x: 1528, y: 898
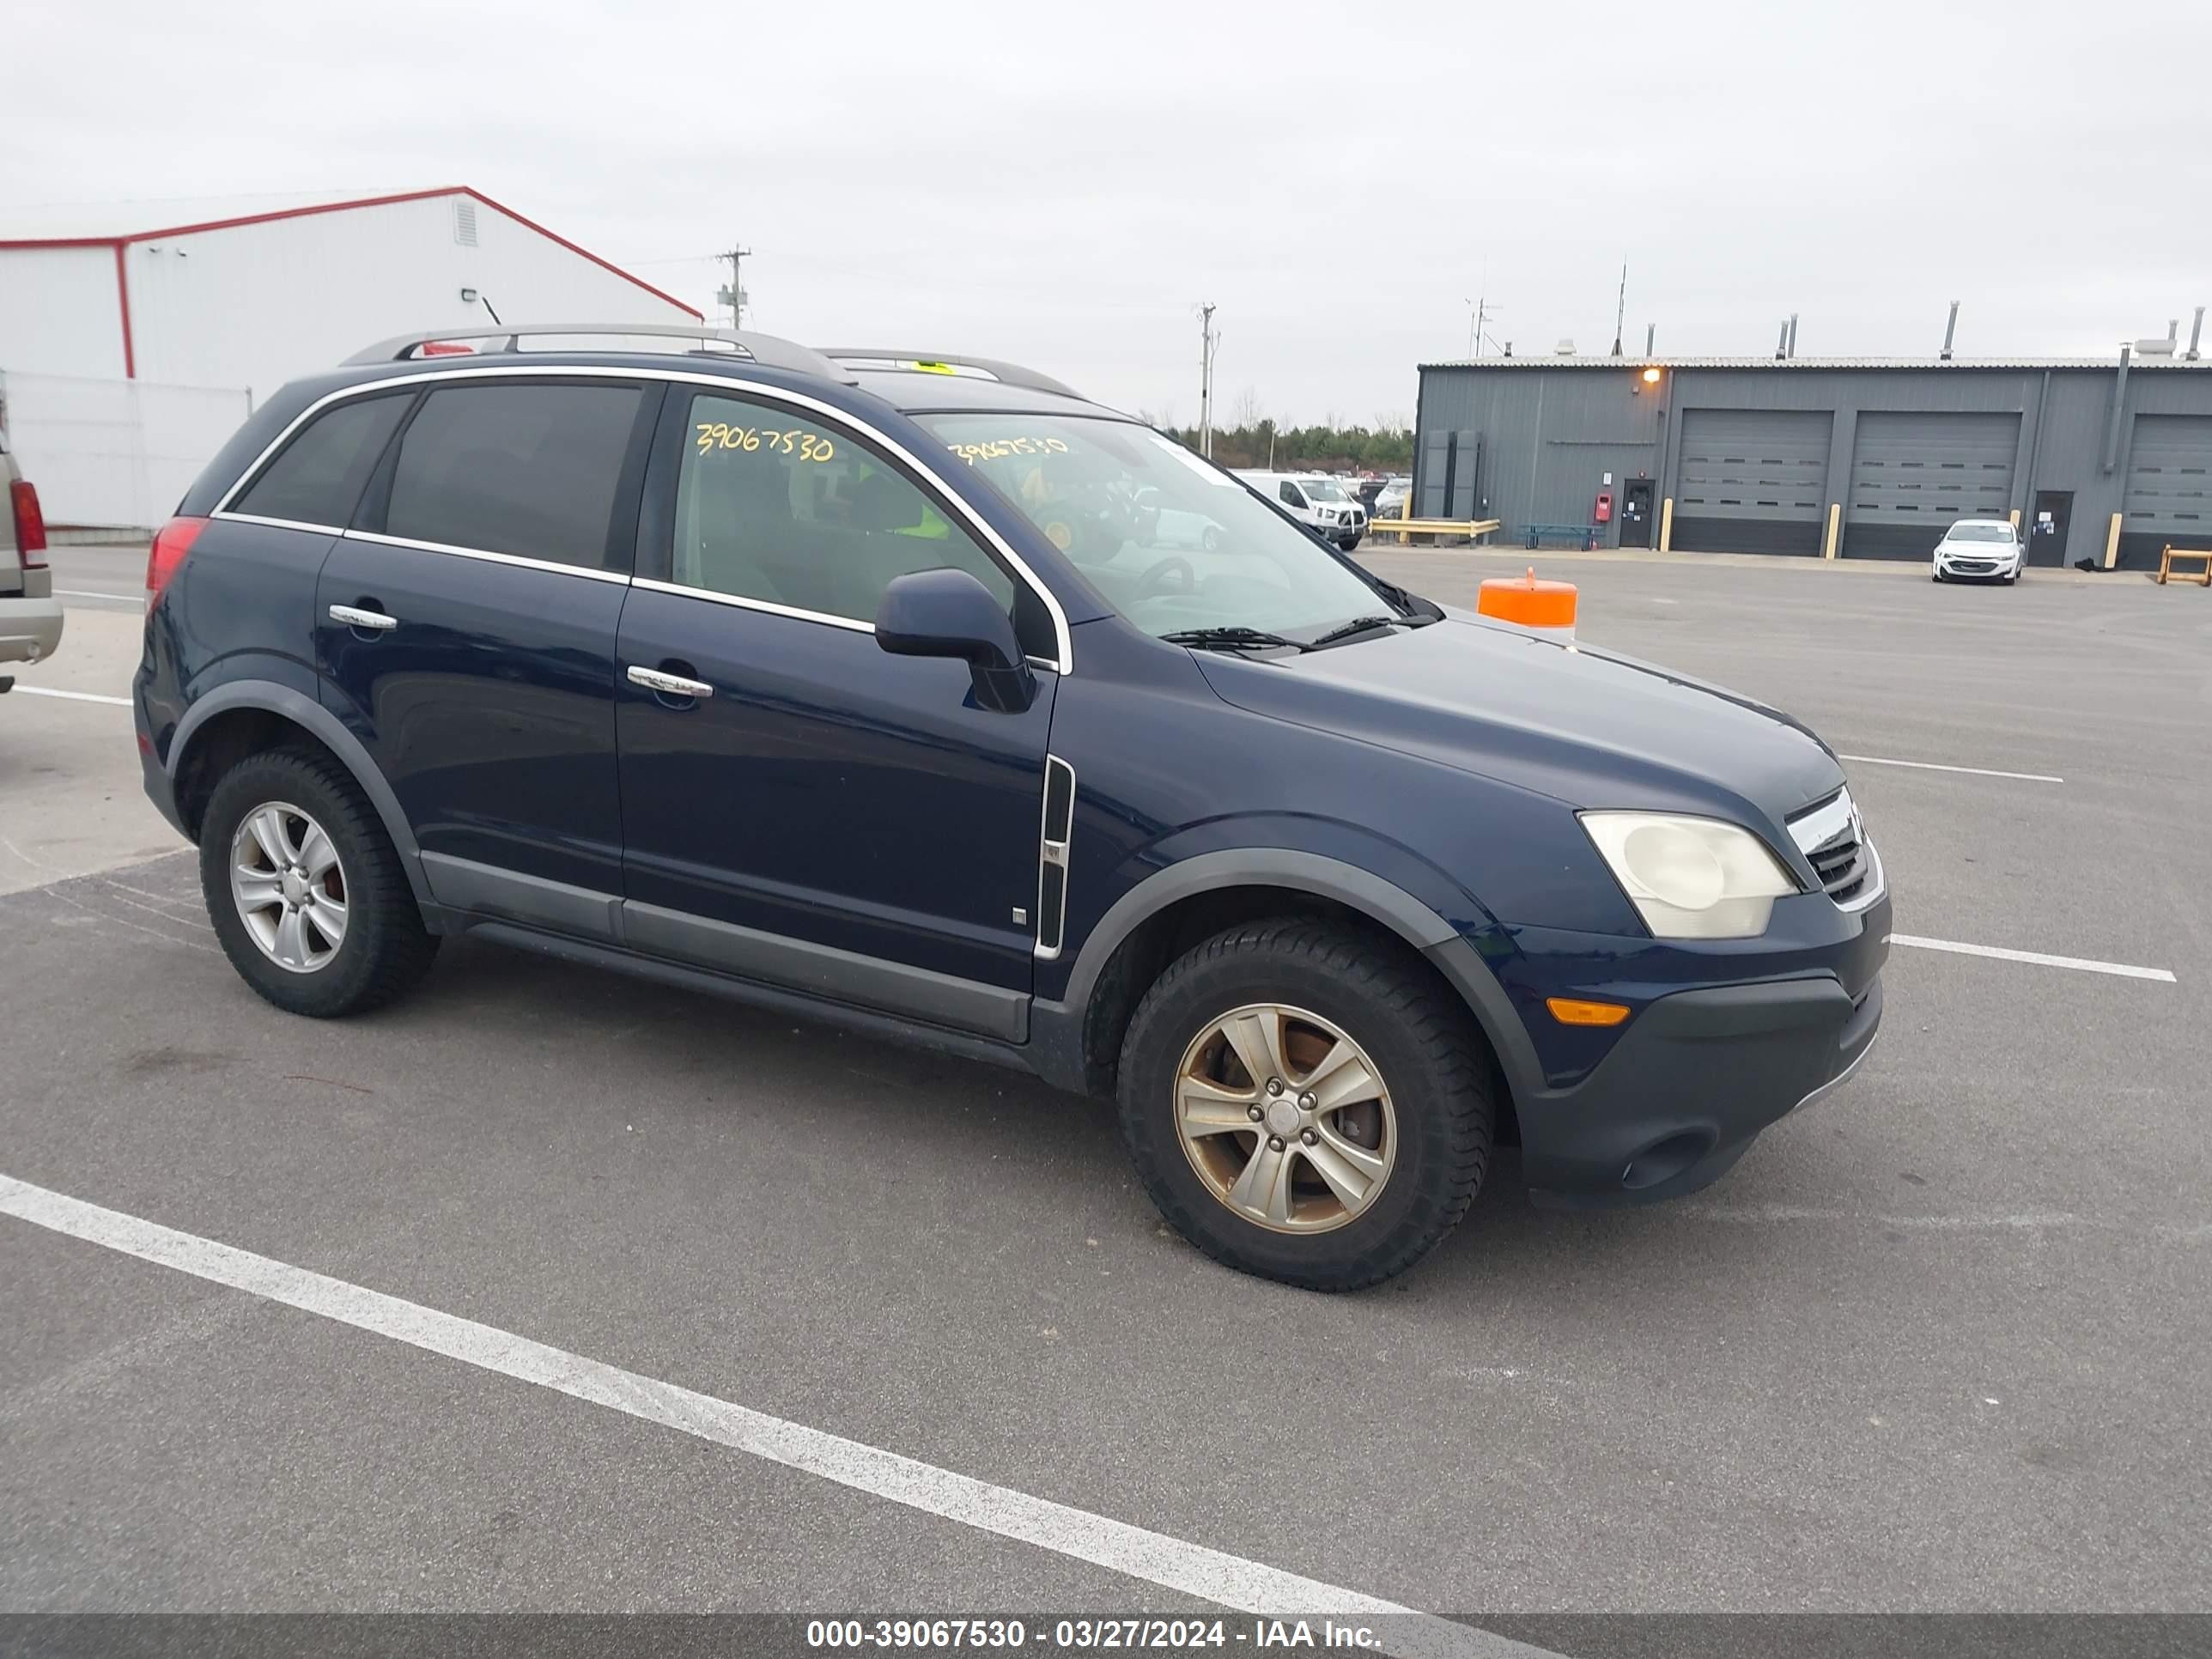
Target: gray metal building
x: 1853, y: 459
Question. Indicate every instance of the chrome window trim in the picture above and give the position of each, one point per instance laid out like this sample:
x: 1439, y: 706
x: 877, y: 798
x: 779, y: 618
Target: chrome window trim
x: 488, y: 556
x: 278, y: 524
x: 1051, y: 852
x: 744, y: 603
x: 1064, y: 644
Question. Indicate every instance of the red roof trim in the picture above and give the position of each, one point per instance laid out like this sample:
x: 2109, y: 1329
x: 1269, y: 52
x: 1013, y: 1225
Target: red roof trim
x: 117, y: 242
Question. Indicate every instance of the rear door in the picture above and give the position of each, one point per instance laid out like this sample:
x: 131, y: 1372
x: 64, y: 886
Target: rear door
x: 821, y: 814
x: 465, y: 627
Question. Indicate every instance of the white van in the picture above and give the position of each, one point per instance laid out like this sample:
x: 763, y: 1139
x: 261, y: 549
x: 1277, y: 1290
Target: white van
x: 1321, y: 504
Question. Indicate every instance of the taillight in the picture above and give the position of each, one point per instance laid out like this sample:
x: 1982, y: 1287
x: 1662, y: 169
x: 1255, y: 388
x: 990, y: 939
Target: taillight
x: 30, y: 524
x: 167, y: 557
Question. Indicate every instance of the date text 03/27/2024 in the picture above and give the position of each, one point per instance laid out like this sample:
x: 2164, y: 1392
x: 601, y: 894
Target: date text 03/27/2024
x: 1140, y: 1635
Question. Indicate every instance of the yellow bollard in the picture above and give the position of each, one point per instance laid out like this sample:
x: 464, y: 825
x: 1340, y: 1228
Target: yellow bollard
x: 1835, y: 527
x: 1666, y: 525
x: 2113, y: 544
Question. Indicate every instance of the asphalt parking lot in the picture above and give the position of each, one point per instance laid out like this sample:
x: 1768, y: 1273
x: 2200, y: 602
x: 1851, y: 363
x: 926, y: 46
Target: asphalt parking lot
x: 1941, y: 1343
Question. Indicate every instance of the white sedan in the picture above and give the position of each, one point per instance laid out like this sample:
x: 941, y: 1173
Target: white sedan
x: 1982, y: 548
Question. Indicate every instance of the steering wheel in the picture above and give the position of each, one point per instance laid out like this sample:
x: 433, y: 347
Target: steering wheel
x: 1173, y: 575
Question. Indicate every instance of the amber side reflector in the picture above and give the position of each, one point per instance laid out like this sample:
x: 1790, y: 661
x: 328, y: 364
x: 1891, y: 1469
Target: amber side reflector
x: 1570, y: 1012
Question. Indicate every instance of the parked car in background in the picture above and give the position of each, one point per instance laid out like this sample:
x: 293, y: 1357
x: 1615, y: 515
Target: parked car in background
x: 1159, y: 525
x: 1985, y: 550
x: 30, y: 614
x: 1320, y: 503
x: 849, y: 692
x: 1390, y: 499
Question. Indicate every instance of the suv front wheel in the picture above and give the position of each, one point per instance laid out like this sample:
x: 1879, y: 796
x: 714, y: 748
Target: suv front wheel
x: 305, y: 890
x: 1306, y: 1104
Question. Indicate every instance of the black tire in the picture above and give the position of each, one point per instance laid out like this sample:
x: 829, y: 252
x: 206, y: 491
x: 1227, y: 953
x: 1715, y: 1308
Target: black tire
x: 386, y: 950
x: 1420, y: 1038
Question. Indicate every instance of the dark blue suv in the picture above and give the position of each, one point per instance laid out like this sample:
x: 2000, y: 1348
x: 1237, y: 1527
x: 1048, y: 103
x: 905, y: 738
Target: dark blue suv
x: 924, y: 696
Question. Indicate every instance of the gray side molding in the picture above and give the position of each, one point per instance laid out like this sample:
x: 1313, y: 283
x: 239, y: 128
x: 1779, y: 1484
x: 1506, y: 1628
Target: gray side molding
x: 1349, y: 885
x: 330, y: 732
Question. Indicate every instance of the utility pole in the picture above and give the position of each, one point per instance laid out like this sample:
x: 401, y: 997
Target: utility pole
x: 735, y: 296
x: 1620, y: 314
x: 1208, y: 342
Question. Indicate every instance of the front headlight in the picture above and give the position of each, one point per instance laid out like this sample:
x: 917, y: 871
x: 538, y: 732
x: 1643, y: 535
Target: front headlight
x: 1691, y: 878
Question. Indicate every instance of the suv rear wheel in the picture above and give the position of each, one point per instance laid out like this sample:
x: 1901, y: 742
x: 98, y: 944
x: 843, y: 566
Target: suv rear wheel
x: 1304, y: 1104
x: 305, y: 890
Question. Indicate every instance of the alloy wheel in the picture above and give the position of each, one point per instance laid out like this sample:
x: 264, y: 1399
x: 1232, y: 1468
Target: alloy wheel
x: 289, y: 887
x: 1285, y: 1119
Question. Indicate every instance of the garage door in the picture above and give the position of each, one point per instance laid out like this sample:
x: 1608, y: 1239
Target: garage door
x: 1751, y: 480
x: 1915, y: 474
x: 2169, y: 478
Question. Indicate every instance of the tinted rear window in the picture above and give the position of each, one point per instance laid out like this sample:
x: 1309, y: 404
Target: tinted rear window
x: 523, y: 469
x: 319, y: 477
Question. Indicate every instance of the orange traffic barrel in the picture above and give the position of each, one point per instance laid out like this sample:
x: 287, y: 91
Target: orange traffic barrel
x: 1528, y: 603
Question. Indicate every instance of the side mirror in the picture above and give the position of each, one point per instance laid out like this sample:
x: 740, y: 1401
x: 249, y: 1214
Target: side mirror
x: 948, y: 613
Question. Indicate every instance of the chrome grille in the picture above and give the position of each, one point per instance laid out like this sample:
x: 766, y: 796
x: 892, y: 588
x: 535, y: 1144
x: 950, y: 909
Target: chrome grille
x: 1834, y: 840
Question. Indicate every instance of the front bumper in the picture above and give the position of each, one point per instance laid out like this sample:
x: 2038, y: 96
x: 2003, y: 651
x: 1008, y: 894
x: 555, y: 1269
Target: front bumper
x: 30, y: 629
x: 1978, y: 569
x: 1690, y: 1086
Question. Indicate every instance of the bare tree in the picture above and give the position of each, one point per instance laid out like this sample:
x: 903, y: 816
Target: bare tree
x: 1248, y: 412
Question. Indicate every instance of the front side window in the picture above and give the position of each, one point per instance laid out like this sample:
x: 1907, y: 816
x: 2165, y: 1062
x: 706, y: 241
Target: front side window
x: 525, y: 468
x: 1171, y: 541
x: 772, y: 506
x: 318, y: 477
x: 1290, y: 495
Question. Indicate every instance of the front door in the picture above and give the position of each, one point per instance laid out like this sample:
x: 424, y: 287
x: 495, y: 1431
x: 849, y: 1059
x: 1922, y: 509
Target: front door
x: 803, y: 808
x: 1636, y: 513
x: 2047, y: 531
x: 465, y: 632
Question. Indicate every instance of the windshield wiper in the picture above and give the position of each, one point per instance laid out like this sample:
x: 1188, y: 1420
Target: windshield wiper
x: 1229, y: 639
x: 1357, y: 625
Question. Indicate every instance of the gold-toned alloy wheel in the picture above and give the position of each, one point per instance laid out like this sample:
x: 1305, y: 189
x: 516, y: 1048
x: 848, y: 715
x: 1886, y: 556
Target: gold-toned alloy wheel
x: 1285, y: 1118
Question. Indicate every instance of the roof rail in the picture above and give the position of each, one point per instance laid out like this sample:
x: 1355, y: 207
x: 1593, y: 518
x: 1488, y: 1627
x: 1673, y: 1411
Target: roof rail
x: 940, y: 361
x: 767, y: 349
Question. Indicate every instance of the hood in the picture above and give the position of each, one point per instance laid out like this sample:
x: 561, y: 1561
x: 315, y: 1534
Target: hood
x: 1584, y: 726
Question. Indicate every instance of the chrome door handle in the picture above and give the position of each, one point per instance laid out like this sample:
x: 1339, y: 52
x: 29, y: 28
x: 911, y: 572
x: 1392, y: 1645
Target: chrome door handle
x: 354, y: 617
x: 671, y: 685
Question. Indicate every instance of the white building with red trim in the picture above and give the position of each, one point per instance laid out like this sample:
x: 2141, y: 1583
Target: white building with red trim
x: 254, y: 291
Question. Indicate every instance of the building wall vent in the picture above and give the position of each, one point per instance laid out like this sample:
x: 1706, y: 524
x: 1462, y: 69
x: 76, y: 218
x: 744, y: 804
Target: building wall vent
x: 464, y: 222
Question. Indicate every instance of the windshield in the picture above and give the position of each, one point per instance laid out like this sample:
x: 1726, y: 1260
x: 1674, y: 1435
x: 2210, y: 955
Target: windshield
x: 1170, y: 542
x: 1979, y: 532
x: 1321, y: 489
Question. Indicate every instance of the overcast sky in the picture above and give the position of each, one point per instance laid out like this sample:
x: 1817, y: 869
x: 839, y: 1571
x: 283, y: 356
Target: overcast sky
x: 1061, y: 183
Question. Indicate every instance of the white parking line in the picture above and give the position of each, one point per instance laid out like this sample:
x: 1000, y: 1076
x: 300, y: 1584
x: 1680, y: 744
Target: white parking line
x: 2083, y: 964
x: 88, y: 593
x: 74, y: 697
x: 1172, y: 1564
x: 1931, y: 766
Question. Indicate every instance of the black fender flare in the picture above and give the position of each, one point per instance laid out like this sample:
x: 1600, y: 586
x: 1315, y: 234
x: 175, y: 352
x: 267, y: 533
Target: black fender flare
x: 1058, y: 1028
x: 326, y: 729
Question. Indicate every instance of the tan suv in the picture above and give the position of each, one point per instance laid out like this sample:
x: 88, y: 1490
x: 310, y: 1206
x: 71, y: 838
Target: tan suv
x: 30, y: 616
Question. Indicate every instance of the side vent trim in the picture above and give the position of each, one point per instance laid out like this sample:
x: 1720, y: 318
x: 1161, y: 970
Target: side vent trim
x: 1058, y: 828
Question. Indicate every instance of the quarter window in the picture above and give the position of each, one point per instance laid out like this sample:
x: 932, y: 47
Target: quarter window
x: 526, y: 469
x: 319, y: 476
x: 774, y: 506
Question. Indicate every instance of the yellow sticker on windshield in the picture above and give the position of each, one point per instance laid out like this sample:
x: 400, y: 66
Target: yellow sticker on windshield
x: 999, y: 449
x: 805, y: 444
x: 1060, y: 535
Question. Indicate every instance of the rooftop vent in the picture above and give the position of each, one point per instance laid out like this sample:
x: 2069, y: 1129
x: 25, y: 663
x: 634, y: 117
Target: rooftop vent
x: 1565, y: 348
